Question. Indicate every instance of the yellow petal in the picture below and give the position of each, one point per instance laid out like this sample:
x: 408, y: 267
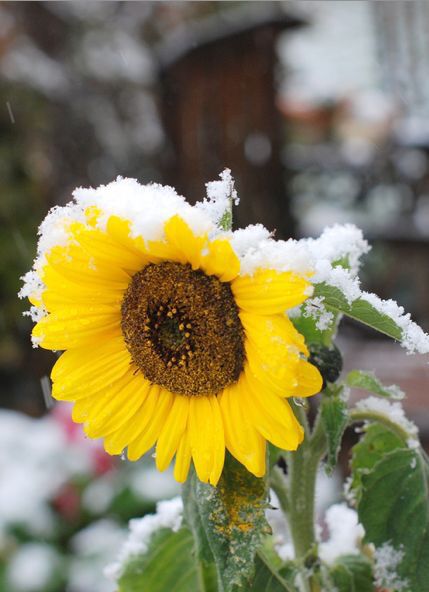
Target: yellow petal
x: 206, y: 438
x: 117, y: 441
x: 181, y: 237
x: 294, y: 336
x: 183, y: 459
x: 271, y: 353
x: 120, y: 231
x: 59, y: 332
x: 269, y: 292
x: 147, y: 438
x: 309, y: 380
x: 119, y: 407
x: 81, y: 372
x: 172, y: 432
x: 75, y: 264
x: 87, y: 409
x: 104, y: 250
x: 241, y: 438
x: 271, y: 415
x: 221, y: 260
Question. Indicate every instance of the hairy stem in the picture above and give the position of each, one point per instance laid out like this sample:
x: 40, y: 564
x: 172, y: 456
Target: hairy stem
x: 299, y: 502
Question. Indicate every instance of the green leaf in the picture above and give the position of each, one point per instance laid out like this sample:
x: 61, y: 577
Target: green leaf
x: 375, y: 444
x: 334, y: 416
x: 192, y: 517
x: 369, y: 382
x: 352, y: 573
x: 394, y: 510
x: 267, y: 578
x: 167, y: 565
x: 232, y: 516
x: 360, y: 310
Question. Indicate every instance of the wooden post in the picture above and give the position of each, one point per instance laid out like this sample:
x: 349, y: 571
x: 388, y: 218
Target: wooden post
x: 219, y: 110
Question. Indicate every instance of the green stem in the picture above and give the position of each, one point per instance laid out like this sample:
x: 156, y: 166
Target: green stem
x: 279, y: 486
x: 368, y: 415
x: 303, y: 466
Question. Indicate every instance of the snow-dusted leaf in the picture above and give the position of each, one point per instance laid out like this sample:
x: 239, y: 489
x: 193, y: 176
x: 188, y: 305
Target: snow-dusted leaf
x: 360, y: 310
x: 394, y: 511
x: 335, y: 417
x: 232, y: 517
x: 352, y: 573
x: 369, y: 382
x: 167, y: 565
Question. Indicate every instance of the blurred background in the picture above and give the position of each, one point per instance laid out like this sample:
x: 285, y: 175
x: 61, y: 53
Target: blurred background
x: 320, y: 109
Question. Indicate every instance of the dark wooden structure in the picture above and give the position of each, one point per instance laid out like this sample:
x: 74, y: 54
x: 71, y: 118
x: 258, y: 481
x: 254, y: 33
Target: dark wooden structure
x: 218, y: 105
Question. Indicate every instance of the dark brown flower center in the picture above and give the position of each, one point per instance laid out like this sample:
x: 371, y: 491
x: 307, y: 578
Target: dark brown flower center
x: 182, y: 329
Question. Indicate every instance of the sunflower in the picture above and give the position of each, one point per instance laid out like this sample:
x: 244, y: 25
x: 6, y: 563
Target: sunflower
x: 165, y: 342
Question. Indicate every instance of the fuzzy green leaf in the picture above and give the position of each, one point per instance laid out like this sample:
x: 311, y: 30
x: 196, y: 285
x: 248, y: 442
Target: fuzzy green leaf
x: 369, y: 382
x: 360, y: 310
x: 394, y: 510
x: 375, y: 444
x: 334, y: 417
x: 167, y: 565
x: 233, y: 519
x: 352, y: 573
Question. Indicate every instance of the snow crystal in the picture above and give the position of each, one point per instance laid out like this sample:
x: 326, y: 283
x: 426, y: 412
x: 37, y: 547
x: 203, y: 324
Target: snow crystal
x: 146, y: 206
x: 413, y: 443
x: 249, y: 238
x: 168, y: 515
x: 345, y: 533
x: 393, y: 411
x: 219, y: 197
x: 32, y: 567
x: 387, y: 560
x: 314, y: 308
x: 339, y: 242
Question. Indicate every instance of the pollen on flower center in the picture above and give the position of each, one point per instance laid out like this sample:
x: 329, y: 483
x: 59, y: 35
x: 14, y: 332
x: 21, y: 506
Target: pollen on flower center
x: 182, y: 329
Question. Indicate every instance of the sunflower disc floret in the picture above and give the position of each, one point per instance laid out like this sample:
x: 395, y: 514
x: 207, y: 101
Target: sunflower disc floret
x: 166, y: 341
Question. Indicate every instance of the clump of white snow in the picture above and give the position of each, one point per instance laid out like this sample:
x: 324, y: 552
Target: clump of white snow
x: 345, y: 533
x: 220, y: 197
x: 168, y: 515
x: 313, y: 307
x: 387, y: 561
x: 394, y: 412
